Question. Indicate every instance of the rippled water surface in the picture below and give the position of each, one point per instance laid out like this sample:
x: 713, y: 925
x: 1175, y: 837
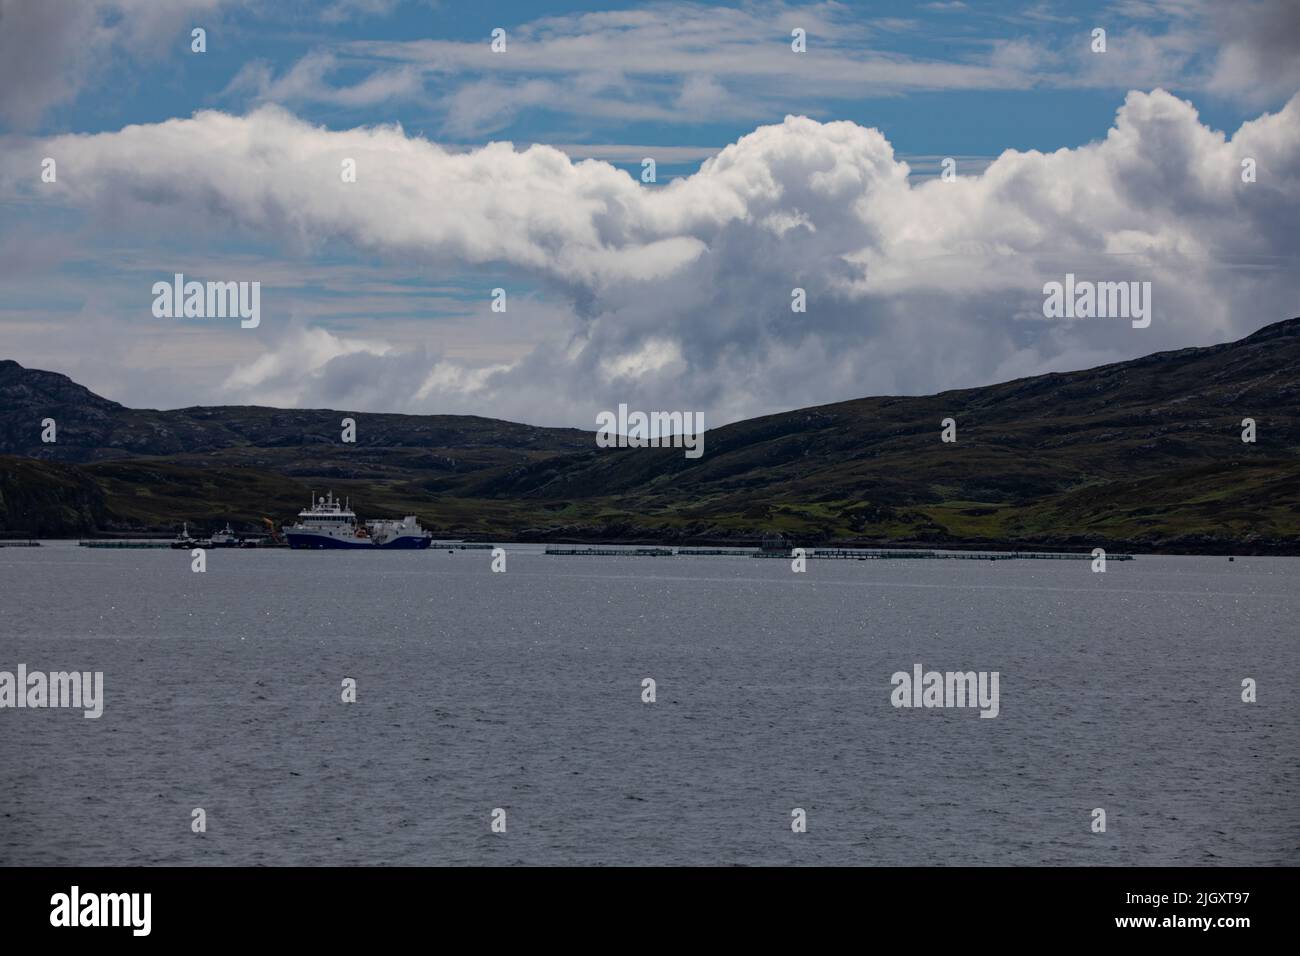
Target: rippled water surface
x: 523, y: 691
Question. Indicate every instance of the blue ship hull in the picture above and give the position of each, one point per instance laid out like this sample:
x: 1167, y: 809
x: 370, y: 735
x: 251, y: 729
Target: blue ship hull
x: 312, y: 542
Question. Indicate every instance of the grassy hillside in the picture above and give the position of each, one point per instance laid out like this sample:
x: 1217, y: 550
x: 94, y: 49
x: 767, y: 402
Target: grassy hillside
x: 1140, y: 455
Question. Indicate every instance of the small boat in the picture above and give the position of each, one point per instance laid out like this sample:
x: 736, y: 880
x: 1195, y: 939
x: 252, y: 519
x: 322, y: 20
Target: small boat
x: 184, y: 540
x: 226, y: 538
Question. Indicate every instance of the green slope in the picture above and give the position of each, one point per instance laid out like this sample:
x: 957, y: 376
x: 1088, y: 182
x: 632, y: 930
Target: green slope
x: 1140, y: 455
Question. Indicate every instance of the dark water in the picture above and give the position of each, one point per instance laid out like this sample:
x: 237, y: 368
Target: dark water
x: 523, y: 691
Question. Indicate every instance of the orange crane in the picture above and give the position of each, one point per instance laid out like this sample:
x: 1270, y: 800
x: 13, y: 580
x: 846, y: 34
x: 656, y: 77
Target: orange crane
x: 270, y: 526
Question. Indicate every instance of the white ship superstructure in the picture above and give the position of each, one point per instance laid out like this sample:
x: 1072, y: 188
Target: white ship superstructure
x: 225, y: 538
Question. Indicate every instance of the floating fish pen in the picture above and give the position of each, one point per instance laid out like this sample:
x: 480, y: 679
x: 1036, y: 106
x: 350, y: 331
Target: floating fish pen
x: 20, y: 544
x: 461, y: 546
x: 876, y: 554
x: 839, y: 554
x: 116, y: 543
x: 1058, y: 556
x: 615, y: 552
x: 721, y: 552
x: 853, y: 554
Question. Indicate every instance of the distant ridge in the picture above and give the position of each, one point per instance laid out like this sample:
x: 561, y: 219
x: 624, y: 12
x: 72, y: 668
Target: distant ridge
x: 1140, y: 455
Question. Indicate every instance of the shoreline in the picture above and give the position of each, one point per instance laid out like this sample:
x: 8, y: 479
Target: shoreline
x: 478, y: 542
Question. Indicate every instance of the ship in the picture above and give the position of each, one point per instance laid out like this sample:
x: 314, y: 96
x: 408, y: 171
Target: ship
x: 226, y: 538
x: 329, y: 524
x: 184, y: 541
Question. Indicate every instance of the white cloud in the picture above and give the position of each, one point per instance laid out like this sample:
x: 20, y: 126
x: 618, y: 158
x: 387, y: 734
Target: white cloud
x: 308, y: 82
x: 308, y: 351
x: 679, y: 295
x: 678, y: 63
x: 630, y: 153
x: 668, y: 62
x: 691, y: 63
x: 340, y: 11
x: 653, y: 355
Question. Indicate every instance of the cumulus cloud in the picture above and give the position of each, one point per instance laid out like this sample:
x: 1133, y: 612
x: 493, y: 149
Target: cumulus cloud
x: 679, y: 296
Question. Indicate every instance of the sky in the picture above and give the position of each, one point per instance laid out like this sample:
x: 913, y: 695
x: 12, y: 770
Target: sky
x: 521, y: 169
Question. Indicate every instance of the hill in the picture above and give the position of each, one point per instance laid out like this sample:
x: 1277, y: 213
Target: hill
x: 1142, y: 455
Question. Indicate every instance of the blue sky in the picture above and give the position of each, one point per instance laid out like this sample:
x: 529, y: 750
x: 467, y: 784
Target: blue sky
x: 1122, y: 164
x: 968, y: 117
